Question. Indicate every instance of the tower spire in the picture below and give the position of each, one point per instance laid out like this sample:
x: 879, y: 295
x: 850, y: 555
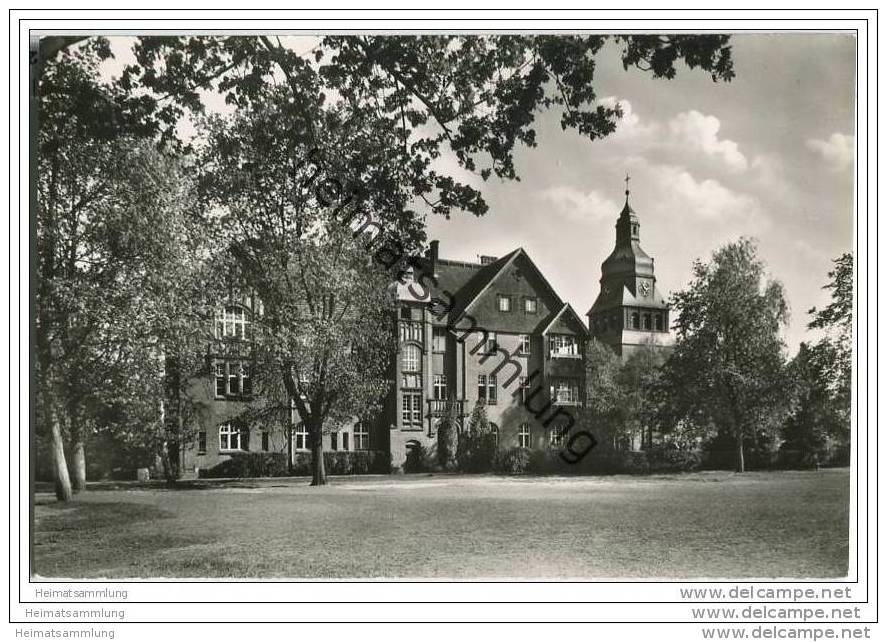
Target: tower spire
x: 627, y: 178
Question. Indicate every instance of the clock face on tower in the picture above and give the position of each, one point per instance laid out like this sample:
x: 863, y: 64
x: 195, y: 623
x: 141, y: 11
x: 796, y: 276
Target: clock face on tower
x: 644, y: 287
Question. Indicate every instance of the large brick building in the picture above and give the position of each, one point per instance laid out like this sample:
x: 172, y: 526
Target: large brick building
x: 493, y: 332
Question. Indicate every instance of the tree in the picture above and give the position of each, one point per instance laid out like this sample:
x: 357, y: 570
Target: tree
x: 603, y: 394
x: 110, y: 220
x: 835, y: 350
x: 476, y: 97
x: 448, y: 437
x: 637, y: 380
x: 728, y: 366
x: 815, y: 419
x: 477, y: 444
x: 325, y: 332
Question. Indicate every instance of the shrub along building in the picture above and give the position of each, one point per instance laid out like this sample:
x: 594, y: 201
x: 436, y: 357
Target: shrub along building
x: 493, y: 332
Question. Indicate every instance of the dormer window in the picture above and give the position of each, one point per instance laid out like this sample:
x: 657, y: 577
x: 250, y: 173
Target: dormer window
x: 231, y: 323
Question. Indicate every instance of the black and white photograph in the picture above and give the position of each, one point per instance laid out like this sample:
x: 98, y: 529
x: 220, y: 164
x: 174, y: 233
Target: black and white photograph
x: 444, y: 305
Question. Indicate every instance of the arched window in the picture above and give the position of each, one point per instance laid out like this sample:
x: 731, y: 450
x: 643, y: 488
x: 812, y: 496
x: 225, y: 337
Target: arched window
x: 635, y: 320
x: 494, y: 432
x: 232, y: 322
x: 232, y: 437
x: 411, y: 358
x: 648, y: 322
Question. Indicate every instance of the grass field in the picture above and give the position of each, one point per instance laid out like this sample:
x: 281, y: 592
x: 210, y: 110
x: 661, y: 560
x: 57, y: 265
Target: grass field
x: 783, y: 524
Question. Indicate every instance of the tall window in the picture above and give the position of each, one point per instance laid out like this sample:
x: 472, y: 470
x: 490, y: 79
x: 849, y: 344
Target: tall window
x: 565, y: 390
x: 411, y: 359
x: 439, y: 339
x: 648, y: 322
x: 232, y: 379
x: 345, y: 442
x: 524, y: 343
x: 440, y: 386
x: 504, y: 303
x: 231, y: 323
x: 556, y: 436
x: 411, y: 409
x: 494, y: 434
x: 486, y: 388
x: 492, y: 345
x: 524, y: 388
x: 523, y: 436
x: 361, y: 436
x: 201, y: 442
x: 221, y: 379
x: 300, y: 436
x: 659, y: 322
x: 265, y: 441
x: 563, y: 345
x: 232, y: 437
x: 635, y: 321
x: 530, y: 305
x: 334, y: 441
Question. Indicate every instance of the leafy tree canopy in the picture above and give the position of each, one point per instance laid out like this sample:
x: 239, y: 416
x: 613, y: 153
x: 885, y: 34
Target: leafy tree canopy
x: 476, y: 96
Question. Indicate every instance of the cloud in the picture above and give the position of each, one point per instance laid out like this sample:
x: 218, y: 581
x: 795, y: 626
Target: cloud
x: 701, y: 131
x: 705, y: 200
x: 837, y: 151
x: 630, y: 125
x: 579, y: 206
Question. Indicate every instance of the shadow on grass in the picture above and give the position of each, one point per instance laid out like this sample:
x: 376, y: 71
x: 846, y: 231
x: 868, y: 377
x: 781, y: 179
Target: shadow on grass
x: 82, y: 516
x: 86, y: 539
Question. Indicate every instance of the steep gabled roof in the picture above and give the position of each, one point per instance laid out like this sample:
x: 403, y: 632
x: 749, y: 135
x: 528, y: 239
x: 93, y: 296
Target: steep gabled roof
x: 473, y: 294
x: 567, y: 312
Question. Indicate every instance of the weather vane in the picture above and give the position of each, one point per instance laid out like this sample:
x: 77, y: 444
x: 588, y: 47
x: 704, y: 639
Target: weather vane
x: 627, y: 178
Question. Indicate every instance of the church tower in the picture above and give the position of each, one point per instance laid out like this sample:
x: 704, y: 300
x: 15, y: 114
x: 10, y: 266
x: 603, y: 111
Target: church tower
x: 629, y: 312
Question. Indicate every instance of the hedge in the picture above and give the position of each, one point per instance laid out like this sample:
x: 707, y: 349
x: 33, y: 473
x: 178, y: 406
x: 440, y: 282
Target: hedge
x: 359, y: 462
x: 657, y: 460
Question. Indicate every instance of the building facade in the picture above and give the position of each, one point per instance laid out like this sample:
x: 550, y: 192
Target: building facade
x: 492, y: 332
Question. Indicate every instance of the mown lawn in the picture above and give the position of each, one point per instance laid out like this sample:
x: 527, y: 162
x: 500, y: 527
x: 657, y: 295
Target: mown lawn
x: 785, y: 524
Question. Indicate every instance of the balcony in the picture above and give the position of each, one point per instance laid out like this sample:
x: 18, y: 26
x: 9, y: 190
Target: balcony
x: 440, y: 407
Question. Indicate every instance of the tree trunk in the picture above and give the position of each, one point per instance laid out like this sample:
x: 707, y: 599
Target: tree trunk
x: 78, y: 464
x: 318, y: 477
x: 78, y: 450
x: 289, y: 445
x: 740, y: 455
x: 63, y: 491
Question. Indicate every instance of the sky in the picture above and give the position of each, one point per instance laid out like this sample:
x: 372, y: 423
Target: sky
x: 768, y: 155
